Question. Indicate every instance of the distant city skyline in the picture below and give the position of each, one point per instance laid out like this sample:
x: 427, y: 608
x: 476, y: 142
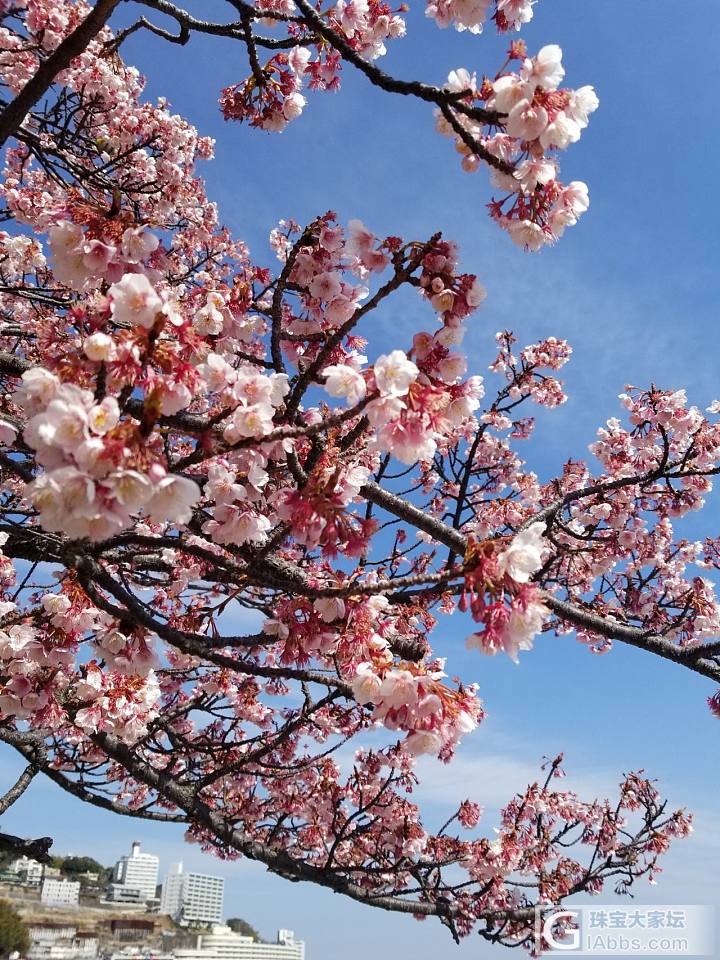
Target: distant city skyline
x: 70, y: 919
x: 635, y: 289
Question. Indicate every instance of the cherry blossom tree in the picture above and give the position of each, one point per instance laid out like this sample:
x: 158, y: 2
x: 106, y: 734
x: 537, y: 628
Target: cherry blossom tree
x: 187, y: 434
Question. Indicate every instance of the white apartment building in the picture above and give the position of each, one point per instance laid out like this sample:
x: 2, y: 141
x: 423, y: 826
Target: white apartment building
x: 139, y: 871
x: 119, y: 893
x: 171, y: 895
x: 83, y: 947
x: 27, y: 870
x: 223, y: 944
x: 59, y: 941
x: 192, y: 897
x: 60, y: 893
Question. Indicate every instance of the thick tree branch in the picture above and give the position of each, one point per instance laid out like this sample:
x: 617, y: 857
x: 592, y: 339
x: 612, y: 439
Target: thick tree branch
x: 413, y: 515
x: 33, y: 743
x: 634, y: 636
x: 12, y: 795
x: 278, y: 861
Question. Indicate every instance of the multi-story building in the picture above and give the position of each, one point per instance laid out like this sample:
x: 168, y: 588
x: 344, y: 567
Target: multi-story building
x: 171, y: 894
x: 27, y: 870
x: 119, y: 893
x: 60, y: 941
x: 224, y: 944
x: 42, y: 932
x: 60, y: 893
x: 192, y: 897
x: 136, y: 872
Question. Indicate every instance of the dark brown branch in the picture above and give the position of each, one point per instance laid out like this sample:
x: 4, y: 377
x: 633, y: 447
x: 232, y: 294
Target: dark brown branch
x: 692, y: 658
x: 390, y: 84
x: 12, y: 795
x: 413, y: 515
x: 251, y: 49
x: 35, y: 849
x: 283, y: 575
x: 278, y: 861
x: 134, y: 613
x: 594, y: 489
x: 142, y: 23
x: 187, y: 23
x: 472, y: 144
x: 633, y: 636
x: 32, y: 743
x: 277, y: 300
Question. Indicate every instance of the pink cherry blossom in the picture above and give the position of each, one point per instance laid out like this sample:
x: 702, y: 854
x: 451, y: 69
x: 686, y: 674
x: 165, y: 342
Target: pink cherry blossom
x: 394, y: 374
x: 342, y: 380
x: 523, y: 557
x: 8, y: 433
x: 134, y: 301
x: 173, y: 499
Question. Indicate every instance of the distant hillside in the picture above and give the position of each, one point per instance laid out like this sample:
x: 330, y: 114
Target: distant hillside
x: 88, y: 915
x: 242, y: 926
x: 73, y: 866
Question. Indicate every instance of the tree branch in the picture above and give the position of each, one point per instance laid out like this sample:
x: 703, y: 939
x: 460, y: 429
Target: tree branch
x: 12, y: 795
x: 72, y: 46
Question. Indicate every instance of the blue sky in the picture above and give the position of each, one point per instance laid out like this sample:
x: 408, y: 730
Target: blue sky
x: 634, y: 287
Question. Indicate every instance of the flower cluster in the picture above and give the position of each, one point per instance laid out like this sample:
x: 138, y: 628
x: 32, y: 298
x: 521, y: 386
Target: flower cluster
x: 272, y: 99
x: 115, y: 703
x: 236, y: 517
x: 515, y: 123
x: 535, y: 118
x: 43, y: 684
x: 256, y: 397
x: 714, y: 704
x: 82, y: 259
x: 407, y: 698
x: 367, y: 25
x: 499, y: 595
x: 92, y: 485
x: 318, y: 514
x: 472, y: 14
